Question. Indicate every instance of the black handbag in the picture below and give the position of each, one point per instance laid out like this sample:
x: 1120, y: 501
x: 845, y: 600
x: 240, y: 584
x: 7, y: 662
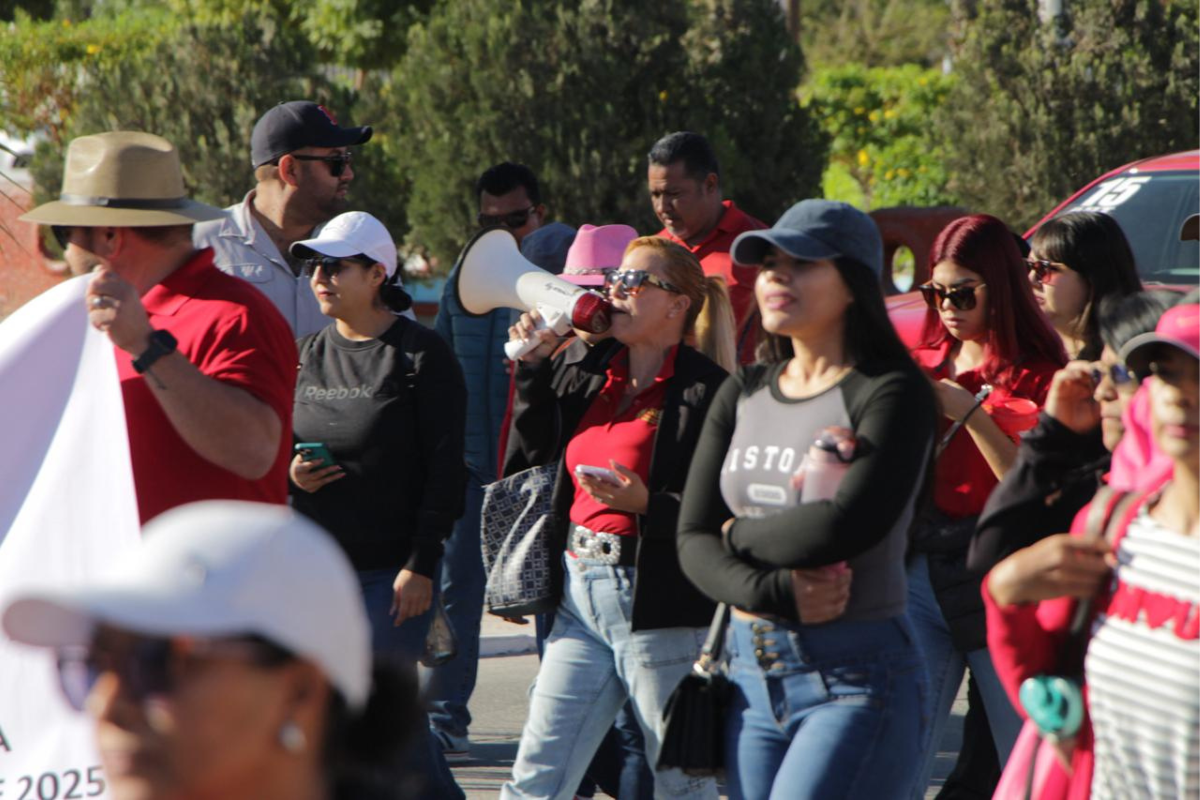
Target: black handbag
x: 517, y: 523
x: 694, y: 735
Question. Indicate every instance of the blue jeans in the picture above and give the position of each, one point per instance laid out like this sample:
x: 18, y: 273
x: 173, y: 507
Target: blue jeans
x: 424, y: 766
x: 449, y: 686
x: 823, y: 711
x: 946, y: 666
x: 593, y: 663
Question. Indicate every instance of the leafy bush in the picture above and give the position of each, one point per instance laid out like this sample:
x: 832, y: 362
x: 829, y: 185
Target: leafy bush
x: 580, y: 92
x: 1042, y: 108
x: 882, y: 152
x: 200, y: 87
x: 875, y: 33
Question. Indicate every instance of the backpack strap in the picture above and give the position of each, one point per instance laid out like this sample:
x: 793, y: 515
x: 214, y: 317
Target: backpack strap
x: 304, y: 346
x: 408, y: 346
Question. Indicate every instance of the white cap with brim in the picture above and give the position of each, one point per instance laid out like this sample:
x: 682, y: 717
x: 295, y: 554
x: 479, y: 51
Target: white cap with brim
x: 221, y: 568
x: 351, y: 234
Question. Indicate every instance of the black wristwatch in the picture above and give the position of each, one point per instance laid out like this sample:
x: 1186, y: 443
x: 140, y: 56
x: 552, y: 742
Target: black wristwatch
x: 161, y: 344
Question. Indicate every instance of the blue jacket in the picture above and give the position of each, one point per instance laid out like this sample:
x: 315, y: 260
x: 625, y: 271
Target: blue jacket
x: 478, y: 342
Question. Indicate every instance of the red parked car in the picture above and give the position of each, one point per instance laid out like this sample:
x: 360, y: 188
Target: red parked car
x: 1150, y: 199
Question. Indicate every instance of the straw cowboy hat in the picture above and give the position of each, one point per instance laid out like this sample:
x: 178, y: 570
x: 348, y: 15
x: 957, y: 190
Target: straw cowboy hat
x: 122, y: 179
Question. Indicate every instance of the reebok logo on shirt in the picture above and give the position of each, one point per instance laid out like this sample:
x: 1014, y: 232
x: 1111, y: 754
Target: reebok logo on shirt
x: 338, y: 393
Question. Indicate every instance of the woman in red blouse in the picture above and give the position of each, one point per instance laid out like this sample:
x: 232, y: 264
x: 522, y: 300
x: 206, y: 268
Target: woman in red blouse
x: 626, y: 418
x: 991, y: 355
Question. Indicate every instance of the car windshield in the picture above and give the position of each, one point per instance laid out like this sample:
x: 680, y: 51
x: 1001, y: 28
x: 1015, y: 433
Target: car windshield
x: 1151, y: 208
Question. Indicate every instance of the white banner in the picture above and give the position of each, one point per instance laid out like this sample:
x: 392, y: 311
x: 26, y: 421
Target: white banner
x: 67, y: 511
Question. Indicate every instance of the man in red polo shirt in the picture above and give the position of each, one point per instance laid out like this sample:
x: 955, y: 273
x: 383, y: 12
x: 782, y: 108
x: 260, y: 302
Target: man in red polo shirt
x: 207, y: 364
x: 685, y: 188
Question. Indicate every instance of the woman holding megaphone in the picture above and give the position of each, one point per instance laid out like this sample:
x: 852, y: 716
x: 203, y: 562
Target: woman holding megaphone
x: 628, y: 625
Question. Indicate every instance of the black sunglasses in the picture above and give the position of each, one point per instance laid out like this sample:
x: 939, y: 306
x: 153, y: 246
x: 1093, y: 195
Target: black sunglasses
x: 511, y: 220
x: 62, y: 235
x: 332, y: 266
x: 1119, y: 374
x: 1045, y: 271
x: 962, y: 297
x: 337, y: 162
x: 149, y: 666
x: 632, y: 282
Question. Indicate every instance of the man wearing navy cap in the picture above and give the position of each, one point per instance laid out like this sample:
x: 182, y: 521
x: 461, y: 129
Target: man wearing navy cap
x: 302, y: 164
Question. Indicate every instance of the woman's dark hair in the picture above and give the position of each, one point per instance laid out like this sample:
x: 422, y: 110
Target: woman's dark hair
x: 364, y: 750
x: 1092, y: 244
x: 869, y: 334
x: 391, y: 293
x: 1120, y: 317
x: 1016, y: 328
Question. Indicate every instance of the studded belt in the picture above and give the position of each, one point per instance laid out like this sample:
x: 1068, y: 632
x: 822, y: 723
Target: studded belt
x: 603, y: 548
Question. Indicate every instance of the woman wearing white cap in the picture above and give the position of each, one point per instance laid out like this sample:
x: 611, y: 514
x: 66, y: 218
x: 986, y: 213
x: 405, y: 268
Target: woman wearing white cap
x: 378, y: 422
x: 229, y: 658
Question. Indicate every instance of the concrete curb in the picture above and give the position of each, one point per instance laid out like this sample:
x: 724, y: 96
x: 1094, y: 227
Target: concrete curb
x: 507, y: 644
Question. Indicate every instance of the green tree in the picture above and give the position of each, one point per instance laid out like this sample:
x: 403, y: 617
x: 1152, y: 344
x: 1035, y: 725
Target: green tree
x: 580, y: 92
x: 1041, y: 108
x: 200, y: 87
x: 875, y: 33
x: 882, y: 152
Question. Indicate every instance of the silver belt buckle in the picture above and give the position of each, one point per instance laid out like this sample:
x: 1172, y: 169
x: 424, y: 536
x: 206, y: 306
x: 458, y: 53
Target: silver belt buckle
x: 603, y: 548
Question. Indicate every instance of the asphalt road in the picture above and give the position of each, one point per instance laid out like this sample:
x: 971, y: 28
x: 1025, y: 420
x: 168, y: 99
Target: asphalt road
x: 500, y: 702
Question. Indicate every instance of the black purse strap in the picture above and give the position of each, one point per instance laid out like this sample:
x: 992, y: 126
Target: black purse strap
x: 714, y: 643
x: 1108, y: 508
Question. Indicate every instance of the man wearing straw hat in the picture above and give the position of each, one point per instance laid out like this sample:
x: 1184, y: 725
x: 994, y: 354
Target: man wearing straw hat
x: 206, y: 363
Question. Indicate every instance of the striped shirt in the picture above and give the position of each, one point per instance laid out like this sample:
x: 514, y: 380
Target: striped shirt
x: 1143, y: 669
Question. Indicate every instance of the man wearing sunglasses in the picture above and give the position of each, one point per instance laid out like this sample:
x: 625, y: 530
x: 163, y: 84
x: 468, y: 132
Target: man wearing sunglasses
x: 303, y: 166
x: 685, y: 188
x: 508, y: 195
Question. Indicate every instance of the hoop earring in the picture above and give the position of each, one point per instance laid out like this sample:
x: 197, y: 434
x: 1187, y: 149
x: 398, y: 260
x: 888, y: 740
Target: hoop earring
x: 292, y: 738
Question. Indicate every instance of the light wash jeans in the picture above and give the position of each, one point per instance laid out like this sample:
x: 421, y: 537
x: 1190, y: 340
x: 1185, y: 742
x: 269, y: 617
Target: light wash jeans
x: 593, y: 663
x: 946, y: 666
x: 823, y: 711
x: 427, y: 776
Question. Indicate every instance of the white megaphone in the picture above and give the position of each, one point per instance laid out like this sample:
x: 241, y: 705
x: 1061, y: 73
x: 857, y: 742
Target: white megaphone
x: 493, y: 274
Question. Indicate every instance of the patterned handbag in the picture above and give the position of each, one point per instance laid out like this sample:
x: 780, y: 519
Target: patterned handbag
x: 516, y: 526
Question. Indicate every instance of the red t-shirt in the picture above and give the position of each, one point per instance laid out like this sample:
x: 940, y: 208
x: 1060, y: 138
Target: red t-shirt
x: 232, y: 333
x: 627, y: 438
x: 963, y: 479
x: 713, y: 253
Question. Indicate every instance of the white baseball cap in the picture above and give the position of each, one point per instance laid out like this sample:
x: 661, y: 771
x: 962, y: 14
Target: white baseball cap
x: 348, y: 235
x: 221, y: 568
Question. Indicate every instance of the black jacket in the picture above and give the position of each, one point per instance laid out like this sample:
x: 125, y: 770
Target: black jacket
x: 550, y: 401
x: 1056, y: 473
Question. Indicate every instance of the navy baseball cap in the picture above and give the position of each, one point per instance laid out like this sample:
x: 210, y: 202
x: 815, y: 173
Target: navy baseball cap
x: 290, y: 126
x: 813, y: 230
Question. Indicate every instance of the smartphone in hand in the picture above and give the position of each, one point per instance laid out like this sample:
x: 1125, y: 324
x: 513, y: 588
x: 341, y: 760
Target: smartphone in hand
x: 311, y: 451
x: 601, y: 473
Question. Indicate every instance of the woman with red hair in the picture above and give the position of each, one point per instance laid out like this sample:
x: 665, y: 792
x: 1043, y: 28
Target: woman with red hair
x: 991, y: 355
